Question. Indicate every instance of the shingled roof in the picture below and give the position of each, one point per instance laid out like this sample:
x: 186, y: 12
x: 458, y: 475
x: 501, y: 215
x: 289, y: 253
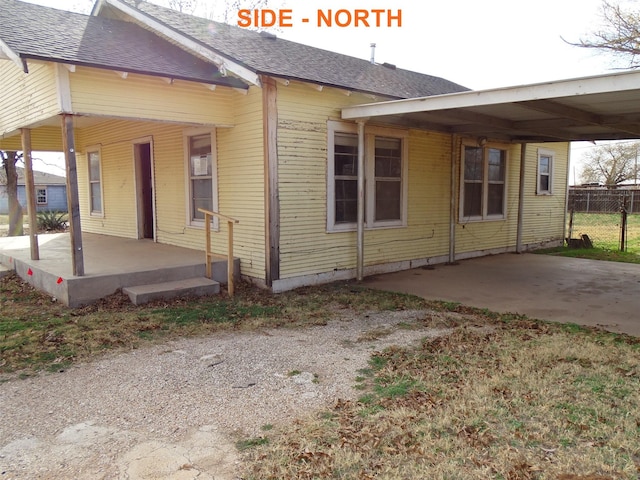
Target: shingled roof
x: 265, y: 54
x: 42, y: 33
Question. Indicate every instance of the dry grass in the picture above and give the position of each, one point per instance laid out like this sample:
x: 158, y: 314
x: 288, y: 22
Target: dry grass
x: 500, y: 397
x: 38, y: 333
x: 520, y: 400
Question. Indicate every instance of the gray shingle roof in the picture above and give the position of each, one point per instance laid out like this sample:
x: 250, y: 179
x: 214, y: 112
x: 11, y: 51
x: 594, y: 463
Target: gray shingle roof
x: 36, y: 32
x: 283, y: 58
x: 39, y: 178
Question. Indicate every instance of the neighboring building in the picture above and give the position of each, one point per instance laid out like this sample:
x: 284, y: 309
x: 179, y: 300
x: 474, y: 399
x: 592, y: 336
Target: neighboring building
x: 172, y: 113
x: 51, y: 192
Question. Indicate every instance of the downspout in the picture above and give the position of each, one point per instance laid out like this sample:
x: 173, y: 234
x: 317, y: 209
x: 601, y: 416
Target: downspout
x: 565, y: 234
x: 452, y: 208
x: 523, y: 155
x: 360, y: 220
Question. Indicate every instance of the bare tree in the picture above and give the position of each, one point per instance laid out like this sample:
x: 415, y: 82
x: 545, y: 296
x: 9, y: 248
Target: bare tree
x: 611, y: 164
x: 9, y: 160
x: 619, y: 35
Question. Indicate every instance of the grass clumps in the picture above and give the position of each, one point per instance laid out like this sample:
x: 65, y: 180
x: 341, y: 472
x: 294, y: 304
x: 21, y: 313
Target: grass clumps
x: 518, y: 400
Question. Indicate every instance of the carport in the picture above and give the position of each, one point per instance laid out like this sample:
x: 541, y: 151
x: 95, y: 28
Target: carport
x: 604, y: 107
x: 586, y: 292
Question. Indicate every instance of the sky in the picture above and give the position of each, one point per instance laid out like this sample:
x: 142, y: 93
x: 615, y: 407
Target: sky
x: 478, y: 44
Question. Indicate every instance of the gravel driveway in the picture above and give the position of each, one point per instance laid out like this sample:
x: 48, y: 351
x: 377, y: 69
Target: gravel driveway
x: 175, y: 411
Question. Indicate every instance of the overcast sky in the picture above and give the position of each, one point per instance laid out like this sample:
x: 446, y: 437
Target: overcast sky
x: 479, y: 44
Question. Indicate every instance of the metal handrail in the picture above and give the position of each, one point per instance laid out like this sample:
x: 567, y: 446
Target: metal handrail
x: 208, y: 217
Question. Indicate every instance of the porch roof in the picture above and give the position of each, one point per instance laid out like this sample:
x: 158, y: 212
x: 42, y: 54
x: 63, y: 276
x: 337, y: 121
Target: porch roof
x: 34, y: 32
x: 604, y: 107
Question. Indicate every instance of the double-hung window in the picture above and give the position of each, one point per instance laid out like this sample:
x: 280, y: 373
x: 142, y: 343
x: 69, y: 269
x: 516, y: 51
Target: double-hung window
x: 385, y: 172
x: 41, y: 195
x: 545, y: 172
x: 483, y: 192
x: 95, y: 182
x: 201, y: 174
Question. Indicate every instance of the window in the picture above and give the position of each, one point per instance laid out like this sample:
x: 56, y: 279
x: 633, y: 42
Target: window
x: 545, y: 172
x: 202, y: 175
x: 483, y: 189
x: 95, y: 183
x: 385, y: 177
x: 41, y: 195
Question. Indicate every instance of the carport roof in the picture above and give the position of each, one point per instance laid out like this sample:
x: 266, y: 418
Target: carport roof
x: 604, y: 107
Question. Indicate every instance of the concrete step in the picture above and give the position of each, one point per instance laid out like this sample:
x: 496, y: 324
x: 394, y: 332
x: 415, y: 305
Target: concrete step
x: 164, y: 291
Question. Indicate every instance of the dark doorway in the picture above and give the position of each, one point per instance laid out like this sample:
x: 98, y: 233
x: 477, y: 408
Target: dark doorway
x: 144, y: 189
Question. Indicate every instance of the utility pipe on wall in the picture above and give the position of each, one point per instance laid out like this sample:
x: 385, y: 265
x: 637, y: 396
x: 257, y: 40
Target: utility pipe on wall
x: 360, y: 229
x: 523, y: 156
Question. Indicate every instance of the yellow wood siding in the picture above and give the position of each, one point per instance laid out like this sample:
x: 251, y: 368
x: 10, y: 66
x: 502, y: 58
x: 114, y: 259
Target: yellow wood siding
x: 544, y: 214
x: 26, y: 98
x: 103, y: 92
x: 307, y: 249
x: 43, y: 139
x: 240, y: 180
x: 305, y: 246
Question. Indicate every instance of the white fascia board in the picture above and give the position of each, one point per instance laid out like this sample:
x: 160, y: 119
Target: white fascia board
x: 224, y: 64
x: 7, y: 53
x: 617, y: 82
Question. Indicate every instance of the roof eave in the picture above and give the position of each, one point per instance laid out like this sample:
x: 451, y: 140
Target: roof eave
x: 8, y: 54
x: 522, y: 93
x: 118, y: 68
x: 223, y: 63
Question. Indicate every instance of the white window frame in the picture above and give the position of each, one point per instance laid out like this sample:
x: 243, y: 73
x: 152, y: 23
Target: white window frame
x: 92, y: 211
x: 187, y: 134
x: 484, y: 217
x: 45, y: 195
x: 371, y: 132
x: 551, y: 155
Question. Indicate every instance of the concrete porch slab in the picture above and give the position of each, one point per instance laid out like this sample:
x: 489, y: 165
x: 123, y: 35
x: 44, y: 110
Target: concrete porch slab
x: 111, y: 263
x: 587, y: 292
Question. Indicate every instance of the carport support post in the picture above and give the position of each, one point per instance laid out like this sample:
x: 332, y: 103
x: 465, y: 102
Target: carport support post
x: 523, y: 154
x: 452, y: 205
x: 30, y: 193
x: 360, y: 230
x: 69, y: 145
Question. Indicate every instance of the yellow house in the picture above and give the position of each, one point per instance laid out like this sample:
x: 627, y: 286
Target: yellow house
x: 330, y: 175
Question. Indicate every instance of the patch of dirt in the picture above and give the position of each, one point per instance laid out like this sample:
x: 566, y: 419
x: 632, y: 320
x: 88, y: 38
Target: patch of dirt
x: 175, y: 411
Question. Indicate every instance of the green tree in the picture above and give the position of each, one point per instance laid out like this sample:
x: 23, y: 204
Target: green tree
x: 10, y: 177
x: 611, y: 163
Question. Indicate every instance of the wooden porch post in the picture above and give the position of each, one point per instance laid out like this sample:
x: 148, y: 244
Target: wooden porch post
x: 69, y: 145
x: 30, y: 193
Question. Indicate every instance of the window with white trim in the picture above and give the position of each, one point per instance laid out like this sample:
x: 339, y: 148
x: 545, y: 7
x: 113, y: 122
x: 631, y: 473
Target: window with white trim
x: 545, y: 172
x: 95, y: 182
x: 41, y: 195
x: 386, y: 159
x: 483, y: 192
x: 201, y: 174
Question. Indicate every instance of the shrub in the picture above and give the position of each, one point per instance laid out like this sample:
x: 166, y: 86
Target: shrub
x: 52, y: 221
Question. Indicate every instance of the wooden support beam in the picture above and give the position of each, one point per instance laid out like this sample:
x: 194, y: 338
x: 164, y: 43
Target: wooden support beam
x: 73, y: 202
x: 271, y: 192
x: 31, y: 193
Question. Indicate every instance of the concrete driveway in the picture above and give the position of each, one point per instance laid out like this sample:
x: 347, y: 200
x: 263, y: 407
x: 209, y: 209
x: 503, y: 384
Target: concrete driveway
x: 587, y: 292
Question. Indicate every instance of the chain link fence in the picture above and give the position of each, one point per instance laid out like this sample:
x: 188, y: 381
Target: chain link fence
x: 599, y: 218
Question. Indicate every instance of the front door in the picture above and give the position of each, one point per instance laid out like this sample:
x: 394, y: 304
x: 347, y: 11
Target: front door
x: 144, y: 189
